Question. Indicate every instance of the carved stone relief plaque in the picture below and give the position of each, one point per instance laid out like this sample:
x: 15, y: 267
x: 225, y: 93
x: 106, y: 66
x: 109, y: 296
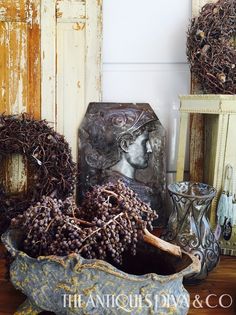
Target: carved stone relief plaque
x: 123, y: 141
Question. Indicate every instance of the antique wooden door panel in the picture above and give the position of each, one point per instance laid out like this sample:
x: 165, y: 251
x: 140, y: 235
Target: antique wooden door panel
x: 20, y: 56
x: 70, y: 63
x: 19, y: 73
x: 70, y: 77
x: 50, y: 57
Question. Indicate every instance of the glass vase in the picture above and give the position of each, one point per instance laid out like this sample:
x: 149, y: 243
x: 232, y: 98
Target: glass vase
x: 189, y: 227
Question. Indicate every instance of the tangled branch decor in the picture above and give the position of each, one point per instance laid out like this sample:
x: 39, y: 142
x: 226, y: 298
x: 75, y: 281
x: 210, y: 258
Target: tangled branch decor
x: 50, y: 169
x: 211, y: 47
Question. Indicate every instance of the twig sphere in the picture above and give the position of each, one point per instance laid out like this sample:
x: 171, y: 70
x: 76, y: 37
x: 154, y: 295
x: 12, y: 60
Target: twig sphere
x: 211, y: 47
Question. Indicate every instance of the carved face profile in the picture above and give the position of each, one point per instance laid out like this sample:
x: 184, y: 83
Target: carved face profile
x: 134, y: 151
x: 118, y: 140
x: 109, y: 131
x: 137, y: 151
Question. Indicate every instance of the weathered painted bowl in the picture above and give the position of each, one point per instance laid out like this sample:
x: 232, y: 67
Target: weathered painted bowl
x: 149, y: 283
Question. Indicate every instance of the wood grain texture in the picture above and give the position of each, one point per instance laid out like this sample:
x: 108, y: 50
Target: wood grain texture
x: 20, y: 65
x: 13, y: 10
x: 196, y: 147
x: 34, y: 61
x: 20, y: 74
x: 184, y: 120
x: 222, y: 280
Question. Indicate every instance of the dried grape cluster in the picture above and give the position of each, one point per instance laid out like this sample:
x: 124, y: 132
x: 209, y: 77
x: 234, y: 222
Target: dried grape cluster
x: 42, y: 223
x: 109, y: 223
x: 121, y: 217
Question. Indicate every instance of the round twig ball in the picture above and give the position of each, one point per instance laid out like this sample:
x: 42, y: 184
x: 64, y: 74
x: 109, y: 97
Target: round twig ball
x: 50, y: 169
x: 211, y: 47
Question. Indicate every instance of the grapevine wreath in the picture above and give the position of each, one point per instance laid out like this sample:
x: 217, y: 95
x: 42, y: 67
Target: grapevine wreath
x: 211, y: 47
x: 50, y: 169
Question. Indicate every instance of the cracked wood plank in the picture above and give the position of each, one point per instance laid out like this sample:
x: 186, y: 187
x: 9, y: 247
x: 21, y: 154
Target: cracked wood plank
x: 19, y: 75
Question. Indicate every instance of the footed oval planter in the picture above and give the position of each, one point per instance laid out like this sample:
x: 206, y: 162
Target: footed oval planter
x: 149, y: 283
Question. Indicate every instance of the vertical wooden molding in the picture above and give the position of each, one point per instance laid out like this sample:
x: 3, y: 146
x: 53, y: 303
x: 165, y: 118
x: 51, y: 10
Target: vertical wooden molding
x: 93, y: 51
x: 71, y: 43
x: 196, y: 147
x: 78, y: 75
x: 184, y: 120
x: 48, y: 61
x: 34, y: 60
x: 4, y: 66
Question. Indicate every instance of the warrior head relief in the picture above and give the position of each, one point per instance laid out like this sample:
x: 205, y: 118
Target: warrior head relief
x: 123, y: 141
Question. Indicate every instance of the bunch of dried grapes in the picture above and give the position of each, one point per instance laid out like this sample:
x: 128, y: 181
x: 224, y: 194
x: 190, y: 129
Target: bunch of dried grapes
x: 40, y: 224
x: 103, y: 202
x: 50, y: 168
x: 109, y: 223
x: 211, y: 47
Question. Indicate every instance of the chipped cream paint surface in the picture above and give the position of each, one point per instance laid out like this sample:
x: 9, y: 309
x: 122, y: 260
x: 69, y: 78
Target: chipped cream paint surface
x: 71, y: 10
x: 70, y: 70
x: 79, y: 26
x: 48, y: 60
x: 71, y: 75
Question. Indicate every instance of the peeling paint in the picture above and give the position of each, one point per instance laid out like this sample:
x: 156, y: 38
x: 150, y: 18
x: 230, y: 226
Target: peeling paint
x: 59, y: 14
x: 17, y: 67
x: 78, y: 84
x: 13, y: 10
x: 29, y: 13
x: 19, y: 75
x: 78, y: 26
x: 20, y: 44
x: 99, y: 2
x: 3, y: 11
